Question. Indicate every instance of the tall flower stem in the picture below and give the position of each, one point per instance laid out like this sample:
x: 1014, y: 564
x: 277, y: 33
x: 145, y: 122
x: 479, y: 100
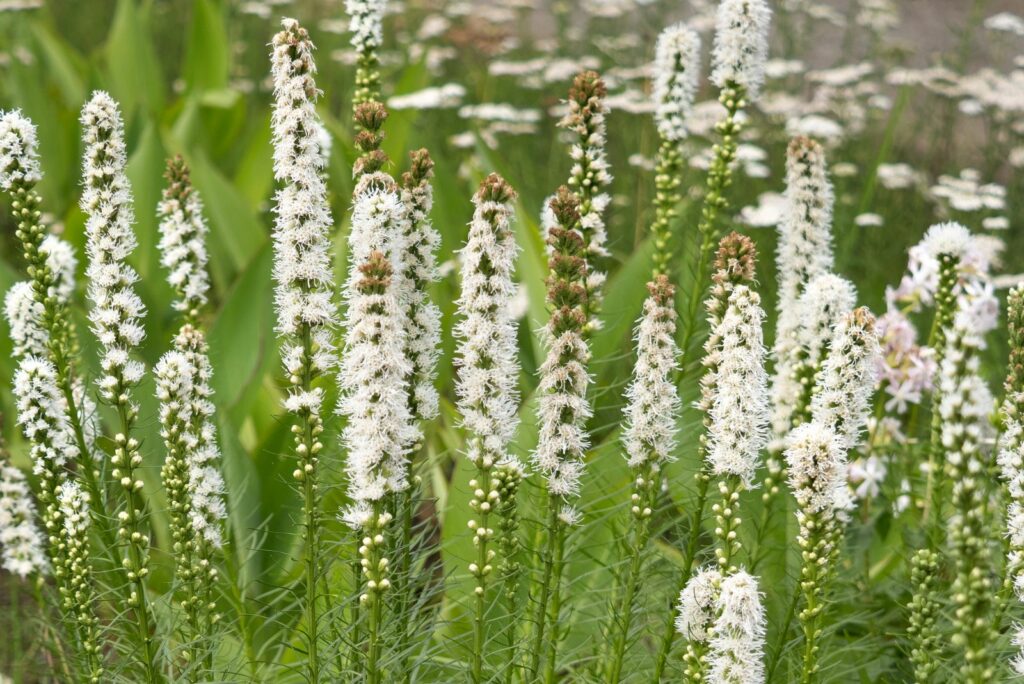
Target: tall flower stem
x: 555, y: 602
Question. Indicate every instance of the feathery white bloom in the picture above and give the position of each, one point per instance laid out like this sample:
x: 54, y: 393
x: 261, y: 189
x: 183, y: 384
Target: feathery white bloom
x: 1010, y: 454
x: 816, y: 458
x: 423, y: 335
x: 42, y: 415
x: 374, y: 369
x: 117, y: 312
x: 804, y: 252
x: 187, y: 413
x: 24, y: 313
x: 653, y: 400
x: 843, y: 395
x: 741, y: 45
x: 183, y: 239
x: 696, y: 608
x: 737, y: 643
x: 947, y: 238
x: 304, y: 296
x: 827, y: 299
x: 487, y: 357
x: 366, y: 23
x: 74, y: 507
x: 965, y: 401
x: 21, y: 541
x: 739, y: 414
x: 19, y: 156
x: 25, y: 318
x: 676, y: 72
x: 563, y: 411
x: 62, y: 262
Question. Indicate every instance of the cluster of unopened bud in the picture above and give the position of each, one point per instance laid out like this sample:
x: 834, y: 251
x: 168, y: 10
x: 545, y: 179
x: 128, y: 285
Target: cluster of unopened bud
x: 727, y: 522
x: 372, y: 558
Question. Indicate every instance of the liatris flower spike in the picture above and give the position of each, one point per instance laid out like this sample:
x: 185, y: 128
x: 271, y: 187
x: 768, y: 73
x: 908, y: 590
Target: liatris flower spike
x: 487, y: 387
x: 676, y: 72
x: 183, y: 240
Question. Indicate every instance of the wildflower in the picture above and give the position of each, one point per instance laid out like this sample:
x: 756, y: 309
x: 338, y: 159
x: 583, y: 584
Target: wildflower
x: 804, y: 252
x: 24, y: 316
x: 842, y: 398
x: 741, y: 45
x: 487, y: 387
x: 563, y: 408
x: 676, y: 70
x: 183, y: 239
x: 737, y: 642
x: 696, y: 616
x: 21, y: 541
x: 19, y: 162
x: 926, y: 640
x: 586, y: 118
x: 78, y: 593
x: 374, y: 368
x: 423, y: 335
x: 739, y: 414
x: 963, y: 407
x: 649, y: 438
x: 653, y: 401
x: 117, y: 311
x: 366, y: 19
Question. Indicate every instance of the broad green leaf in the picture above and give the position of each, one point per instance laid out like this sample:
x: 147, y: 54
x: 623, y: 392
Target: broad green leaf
x: 208, y: 52
x: 131, y: 61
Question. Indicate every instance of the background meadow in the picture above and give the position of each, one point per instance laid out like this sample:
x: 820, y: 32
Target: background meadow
x: 920, y: 106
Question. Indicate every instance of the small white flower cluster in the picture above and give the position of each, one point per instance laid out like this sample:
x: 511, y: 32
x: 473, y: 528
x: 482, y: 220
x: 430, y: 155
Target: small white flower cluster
x: 827, y: 299
x: 423, y: 336
x: 304, y: 297
x: 21, y: 541
x: 676, y: 72
x: 965, y: 401
x: 117, y: 312
x: 366, y: 19
x: 842, y: 398
x: 187, y: 414
x: 653, y: 399
x: 739, y: 412
x: 563, y: 411
x: 974, y: 256
x: 24, y: 317
x: 741, y: 45
x: 74, y: 508
x: 804, y: 252
x: 488, y: 363
x: 737, y: 642
x: 374, y: 369
x: 724, y: 613
x: 43, y: 416
x: 24, y: 313
x: 816, y: 458
x: 183, y: 239
x: 696, y: 608
x: 19, y: 160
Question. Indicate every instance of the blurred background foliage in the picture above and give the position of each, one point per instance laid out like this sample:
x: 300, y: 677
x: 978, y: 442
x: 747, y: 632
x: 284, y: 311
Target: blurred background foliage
x: 192, y: 78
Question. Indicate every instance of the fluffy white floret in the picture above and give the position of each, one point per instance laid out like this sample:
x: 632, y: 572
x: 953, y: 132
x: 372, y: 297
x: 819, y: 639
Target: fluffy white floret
x: 737, y: 645
x: 696, y: 607
x: 652, y: 398
x: 117, y: 311
x: 739, y: 414
x: 741, y: 44
x: 19, y: 155
x: 366, y: 18
x: 43, y: 415
x: 487, y: 357
x: 182, y: 246
x: 21, y: 542
x: 816, y: 459
x: 676, y: 72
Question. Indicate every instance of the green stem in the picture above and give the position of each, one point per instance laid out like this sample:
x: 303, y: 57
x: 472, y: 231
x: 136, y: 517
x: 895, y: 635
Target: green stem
x: 544, y: 586
x: 555, y: 606
x: 668, y: 634
x: 623, y: 616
